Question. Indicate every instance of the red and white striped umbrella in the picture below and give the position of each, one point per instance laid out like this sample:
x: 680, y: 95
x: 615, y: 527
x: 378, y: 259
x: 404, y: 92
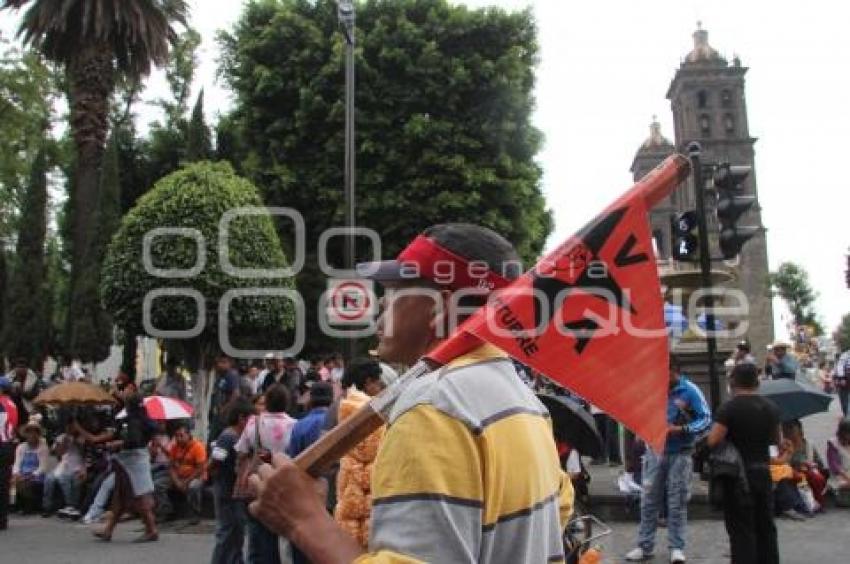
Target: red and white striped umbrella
x: 164, y: 408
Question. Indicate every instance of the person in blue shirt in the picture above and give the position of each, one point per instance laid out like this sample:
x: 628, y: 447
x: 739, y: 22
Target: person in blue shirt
x: 225, y: 391
x: 307, y: 431
x: 688, y: 417
x: 309, y: 428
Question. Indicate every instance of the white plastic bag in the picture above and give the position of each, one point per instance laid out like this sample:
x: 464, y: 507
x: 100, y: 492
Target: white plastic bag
x: 812, y: 506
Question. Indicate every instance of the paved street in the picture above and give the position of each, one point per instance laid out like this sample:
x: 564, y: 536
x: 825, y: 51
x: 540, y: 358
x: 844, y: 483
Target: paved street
x: 42, y: 541
x: 822, y: 540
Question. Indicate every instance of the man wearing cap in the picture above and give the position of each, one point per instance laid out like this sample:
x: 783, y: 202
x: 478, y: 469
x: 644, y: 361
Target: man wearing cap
x: 8, y: 424
x: 782, y: 365
x: 468, y: 470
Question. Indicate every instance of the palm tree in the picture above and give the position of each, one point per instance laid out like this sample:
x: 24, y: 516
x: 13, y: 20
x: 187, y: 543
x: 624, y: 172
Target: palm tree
x: 94, y: 41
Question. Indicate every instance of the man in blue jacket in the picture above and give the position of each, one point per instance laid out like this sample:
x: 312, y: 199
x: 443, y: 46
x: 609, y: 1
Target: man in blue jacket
x: 688, y: 417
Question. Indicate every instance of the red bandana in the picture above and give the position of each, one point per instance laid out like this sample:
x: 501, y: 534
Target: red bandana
x: 425, y: 258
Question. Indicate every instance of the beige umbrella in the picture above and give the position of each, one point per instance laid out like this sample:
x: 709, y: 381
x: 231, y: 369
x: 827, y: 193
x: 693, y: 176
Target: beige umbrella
x: 74, y: 393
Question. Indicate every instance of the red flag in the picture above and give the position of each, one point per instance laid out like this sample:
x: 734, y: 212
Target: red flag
x: 590, y: 315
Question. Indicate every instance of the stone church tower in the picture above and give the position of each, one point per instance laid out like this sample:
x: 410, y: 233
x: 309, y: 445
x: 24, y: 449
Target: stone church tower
x: 709, y: 106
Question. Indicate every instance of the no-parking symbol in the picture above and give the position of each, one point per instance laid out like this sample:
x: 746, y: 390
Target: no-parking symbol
x: 350, y: 302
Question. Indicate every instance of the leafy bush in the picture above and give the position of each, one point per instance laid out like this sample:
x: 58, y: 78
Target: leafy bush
x: 195, y: 197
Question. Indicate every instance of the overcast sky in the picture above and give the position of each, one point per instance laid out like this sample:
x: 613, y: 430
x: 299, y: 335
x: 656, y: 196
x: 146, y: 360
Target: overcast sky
x: 604, y: 70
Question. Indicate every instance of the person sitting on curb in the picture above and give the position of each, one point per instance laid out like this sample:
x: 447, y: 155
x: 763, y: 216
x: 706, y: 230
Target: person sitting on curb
x: 69, y: 474
x: 187, y: 467
x: 838, y: 459
x: 31, y: 460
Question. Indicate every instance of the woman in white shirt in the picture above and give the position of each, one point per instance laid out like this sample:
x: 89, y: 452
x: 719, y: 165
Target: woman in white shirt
x: 32, y: 458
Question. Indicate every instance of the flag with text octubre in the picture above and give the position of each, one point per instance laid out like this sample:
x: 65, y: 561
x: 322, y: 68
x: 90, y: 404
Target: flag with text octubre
x: 590, y: 314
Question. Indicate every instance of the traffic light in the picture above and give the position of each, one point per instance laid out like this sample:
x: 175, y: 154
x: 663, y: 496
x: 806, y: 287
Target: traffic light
x: 731, y: 205
x: 685, y: 236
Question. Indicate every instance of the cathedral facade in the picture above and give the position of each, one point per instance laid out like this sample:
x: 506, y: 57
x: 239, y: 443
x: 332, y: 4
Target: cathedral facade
x: 708, y: 101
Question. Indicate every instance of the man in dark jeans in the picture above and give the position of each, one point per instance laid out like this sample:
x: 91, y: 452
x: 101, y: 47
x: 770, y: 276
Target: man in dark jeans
x: 307, y: 431
x: 229, y: 513
x: 751, y: 423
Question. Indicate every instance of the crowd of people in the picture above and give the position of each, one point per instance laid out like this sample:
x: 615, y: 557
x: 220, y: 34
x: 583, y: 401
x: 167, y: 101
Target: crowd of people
x: 97, y: 463
x: 95, y: 467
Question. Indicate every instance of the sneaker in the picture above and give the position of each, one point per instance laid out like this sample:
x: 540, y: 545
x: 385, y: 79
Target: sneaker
x: 638, y: 555
x: 73, y: 514
x: 677, y: 556
x: 65, y: 511
x: 90, y: 518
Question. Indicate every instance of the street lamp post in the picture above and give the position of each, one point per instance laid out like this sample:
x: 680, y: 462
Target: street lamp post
x: 345, y: 12
x: 346, y: 16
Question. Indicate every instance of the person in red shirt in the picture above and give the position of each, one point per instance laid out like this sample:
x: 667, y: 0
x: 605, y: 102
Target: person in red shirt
x: 8, y: 424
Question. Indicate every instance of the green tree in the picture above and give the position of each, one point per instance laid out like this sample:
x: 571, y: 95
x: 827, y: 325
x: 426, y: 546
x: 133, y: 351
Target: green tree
x: 842, y: 333
x: 26, y: 329
x: 95, y: 42
x: 196, y: 197
x: 198, y: 137
x: 179, y: 73
x: 58, y: 273
x: 133, y: 165
x: 95, y: 329
x: 444, y: 103
x: 27, y: 91
x: 3, y: 287
x: 164, y: 150
x: 791, y: 283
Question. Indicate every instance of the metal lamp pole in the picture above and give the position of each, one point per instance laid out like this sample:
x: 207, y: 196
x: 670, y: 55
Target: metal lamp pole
x: 345, y: 12
x: 346, y: 16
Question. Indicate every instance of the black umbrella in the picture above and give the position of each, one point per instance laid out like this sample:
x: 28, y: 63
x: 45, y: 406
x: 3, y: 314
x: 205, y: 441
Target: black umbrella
x: 573, y: 424
x: 794, y: 399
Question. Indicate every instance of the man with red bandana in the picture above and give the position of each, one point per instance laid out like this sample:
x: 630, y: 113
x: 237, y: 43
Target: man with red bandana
x: 468, y: 471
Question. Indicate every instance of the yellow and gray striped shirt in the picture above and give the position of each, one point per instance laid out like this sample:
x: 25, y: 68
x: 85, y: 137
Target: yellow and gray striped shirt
x: 468, y: 471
